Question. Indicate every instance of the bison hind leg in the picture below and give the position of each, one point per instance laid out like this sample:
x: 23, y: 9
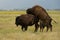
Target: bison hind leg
x: 51, y: 28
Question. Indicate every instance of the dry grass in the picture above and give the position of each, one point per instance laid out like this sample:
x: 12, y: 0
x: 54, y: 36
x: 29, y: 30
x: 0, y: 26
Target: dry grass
x: 9, y: 31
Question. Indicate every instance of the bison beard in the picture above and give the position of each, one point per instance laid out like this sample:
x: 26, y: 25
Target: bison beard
x: 41, y: 14
x: 26, y: 20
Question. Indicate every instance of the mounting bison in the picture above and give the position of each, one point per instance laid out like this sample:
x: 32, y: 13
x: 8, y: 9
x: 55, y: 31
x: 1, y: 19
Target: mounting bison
x: 41, y: 14
x: 26, y: 20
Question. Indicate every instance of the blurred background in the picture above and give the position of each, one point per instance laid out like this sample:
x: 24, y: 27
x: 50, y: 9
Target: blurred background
x: 24, y: 4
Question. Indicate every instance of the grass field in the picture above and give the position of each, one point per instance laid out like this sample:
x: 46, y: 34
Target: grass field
x: 9, y: 31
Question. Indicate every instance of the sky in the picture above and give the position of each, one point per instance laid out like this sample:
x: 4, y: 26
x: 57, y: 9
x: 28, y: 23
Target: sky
x: 25, y: 4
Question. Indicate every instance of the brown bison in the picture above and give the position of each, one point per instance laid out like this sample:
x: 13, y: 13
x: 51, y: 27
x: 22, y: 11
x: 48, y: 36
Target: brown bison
x: 41, y: 14
x: 25, y: 21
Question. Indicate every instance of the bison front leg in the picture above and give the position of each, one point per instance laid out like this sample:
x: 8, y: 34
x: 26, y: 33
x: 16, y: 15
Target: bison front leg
x: 36, y: 27
x: 41, y: 28
x: 26, y: 28
x: 22, y: 28
x: 47, y: 28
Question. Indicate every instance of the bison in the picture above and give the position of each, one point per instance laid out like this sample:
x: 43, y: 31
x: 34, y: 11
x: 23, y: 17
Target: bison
x: 41, y: 14
x: 26, y: 20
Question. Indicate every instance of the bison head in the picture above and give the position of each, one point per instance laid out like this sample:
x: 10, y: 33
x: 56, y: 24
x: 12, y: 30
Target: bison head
x: 29, y: 11
x: 17, y: 20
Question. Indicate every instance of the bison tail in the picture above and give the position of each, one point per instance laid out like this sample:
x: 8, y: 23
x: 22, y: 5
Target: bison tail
x: 54, y: 21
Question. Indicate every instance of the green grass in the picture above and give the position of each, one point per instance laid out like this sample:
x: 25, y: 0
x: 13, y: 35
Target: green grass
x: 9, y: 31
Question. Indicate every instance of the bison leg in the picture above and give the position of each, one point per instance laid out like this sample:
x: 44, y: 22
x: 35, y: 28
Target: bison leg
x: 41, y: 28
x: 42, y: 25
x: 47, y: 28
x: 51, y: 28
x: 26, y: 28
x: 36, y: 27
x: 22, y: 28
